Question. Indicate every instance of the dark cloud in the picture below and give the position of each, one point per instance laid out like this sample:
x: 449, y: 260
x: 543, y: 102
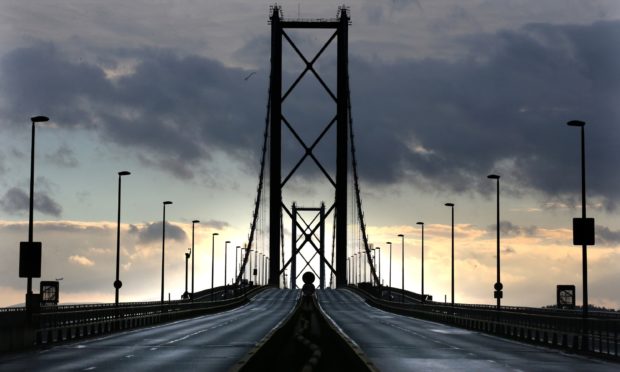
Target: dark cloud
x: 63, y: 157
x: 510, y: 103
x: 508, y: 229
x: 16, y: 201
x: 152, y: 232
x: 438, y: 123
x: 606, y: 236
x: 215, y: 224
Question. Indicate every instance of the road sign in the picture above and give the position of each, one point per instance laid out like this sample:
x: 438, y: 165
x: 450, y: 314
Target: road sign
x: 498, y: 286
x: 30, y: 259
x: 583, y: 231
x: 498, y: 294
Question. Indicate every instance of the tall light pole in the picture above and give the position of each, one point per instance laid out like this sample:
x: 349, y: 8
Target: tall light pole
x: 498, y: 284
x: 451, y: 205
x: 226, y: 262
x: 163, y: 248
x: 30, y: 252
x: 187, y: 254
x: 379, y: 264
x: 422, y: 285
x: 585, y: 235
x: 390, y: 274
x: 403, y: 264
x: 117, y: 283
x: 255, y: 271
x: 236, y: 262
x: 213, y: 261
x: 194, y: 222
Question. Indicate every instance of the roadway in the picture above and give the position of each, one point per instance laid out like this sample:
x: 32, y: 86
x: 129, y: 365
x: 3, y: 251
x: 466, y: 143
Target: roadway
x: 213, y: 342
x: 399, y: 343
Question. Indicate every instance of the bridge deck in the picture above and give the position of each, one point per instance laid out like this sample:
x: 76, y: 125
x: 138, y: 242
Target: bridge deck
x: 399, y: 343
x: 211, y: 343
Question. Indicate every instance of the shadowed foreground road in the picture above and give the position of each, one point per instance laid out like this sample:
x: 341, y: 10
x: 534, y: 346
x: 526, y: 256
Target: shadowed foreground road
x: 399, y: 343
x: 212, y: 342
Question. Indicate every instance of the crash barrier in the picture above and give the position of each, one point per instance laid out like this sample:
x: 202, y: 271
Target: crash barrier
x: 594, y: 336
x: 305, y: 341
x: 21, y: 329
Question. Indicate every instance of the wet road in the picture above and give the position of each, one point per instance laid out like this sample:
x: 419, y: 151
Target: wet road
x: 399, y: 343
x: 213, y: 342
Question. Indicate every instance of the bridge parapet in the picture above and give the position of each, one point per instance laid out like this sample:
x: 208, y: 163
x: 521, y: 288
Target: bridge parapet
x: 546, y: 327
x: 20, y: 329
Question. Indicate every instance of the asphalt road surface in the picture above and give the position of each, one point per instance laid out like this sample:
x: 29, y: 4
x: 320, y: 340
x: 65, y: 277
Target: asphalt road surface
x: 213, y: 342
x: 399, y: 343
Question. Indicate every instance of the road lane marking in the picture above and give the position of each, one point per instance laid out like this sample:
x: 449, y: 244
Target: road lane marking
x: 89, y: 368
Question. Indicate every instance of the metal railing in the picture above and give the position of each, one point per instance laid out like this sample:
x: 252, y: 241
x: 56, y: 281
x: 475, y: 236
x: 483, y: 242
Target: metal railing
x: 20, y: 329
x: 597, y: 335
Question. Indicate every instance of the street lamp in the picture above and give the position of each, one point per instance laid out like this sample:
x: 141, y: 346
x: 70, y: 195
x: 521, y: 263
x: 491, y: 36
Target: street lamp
x: 379, y: 264
x: 498, y: 284
x: 163, y: 249
x: 390, y: 279
x: 422, y: 292
x: 403, y: 264
x: 451, y: 205
x: 187, y: 254
x: 212, y: 261
x: 194, y: 222
x: 30, y: 252
x: 117, y: 283
x: 236, y: 262
x: 583, y: 230
x: 226, y: 264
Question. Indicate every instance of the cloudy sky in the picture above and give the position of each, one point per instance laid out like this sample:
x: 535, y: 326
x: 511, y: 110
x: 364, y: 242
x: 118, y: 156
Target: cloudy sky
x: 443, y: 93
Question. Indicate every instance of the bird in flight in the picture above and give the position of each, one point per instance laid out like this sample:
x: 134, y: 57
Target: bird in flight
x: 249, y: 76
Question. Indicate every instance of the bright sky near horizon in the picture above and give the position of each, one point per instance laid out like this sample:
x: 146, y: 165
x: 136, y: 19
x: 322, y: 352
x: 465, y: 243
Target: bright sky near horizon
x: 443, y: 94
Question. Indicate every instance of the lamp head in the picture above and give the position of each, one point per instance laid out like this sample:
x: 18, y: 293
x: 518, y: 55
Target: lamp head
x: 388, y: 243
x: 195, y: 221
x: 576, y: 123
x: 449, y: 204
x: 214, y: 234
x: 401, y: 235
x: 493, y: 176
x: 420, y: 223
x: 124, y: 173
x: 39, y: 119
x: 167, y: 202
x: 227, y: 242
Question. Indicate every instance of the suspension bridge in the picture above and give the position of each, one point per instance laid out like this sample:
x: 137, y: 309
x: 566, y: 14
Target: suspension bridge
x: 286, y: 322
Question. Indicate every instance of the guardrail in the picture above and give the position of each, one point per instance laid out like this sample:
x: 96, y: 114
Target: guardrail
x: 596, y: 336
x: 20, y: 329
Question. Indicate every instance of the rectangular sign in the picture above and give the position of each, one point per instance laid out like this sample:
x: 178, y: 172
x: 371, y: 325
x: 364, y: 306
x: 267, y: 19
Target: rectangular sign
x: 583, y: 231
x: 30, y: 259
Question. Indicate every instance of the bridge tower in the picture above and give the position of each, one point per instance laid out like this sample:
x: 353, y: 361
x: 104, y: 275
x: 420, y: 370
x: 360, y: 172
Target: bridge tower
x: 277, y: 121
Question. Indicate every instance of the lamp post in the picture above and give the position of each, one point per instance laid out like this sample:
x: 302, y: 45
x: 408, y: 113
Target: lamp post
x: 403, y: 264
x: 226, y: 262
x: 451, y: 205
x: 187, y: 254
x: 498, y: 284
x: 117, y: 283
x: 31, y: 251
x: 212, y: 261
x: 379, y: 264
x: 163, y: 248
x: 390, y: 274
x: 194, y: 222
x: 236, y: 262
x: 422, y: 292
x: 587, y: 234
x: 255, y: 271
